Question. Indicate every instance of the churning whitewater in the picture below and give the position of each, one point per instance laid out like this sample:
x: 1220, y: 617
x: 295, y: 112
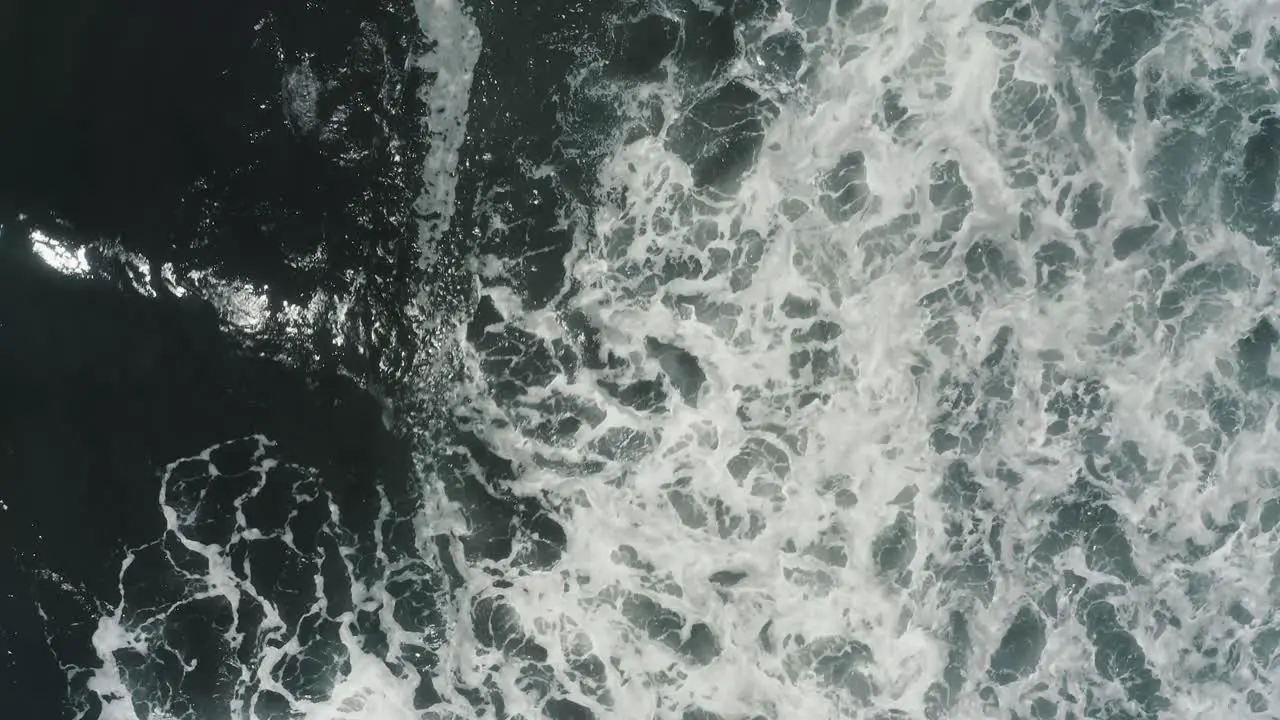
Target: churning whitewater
x: 909, y: 360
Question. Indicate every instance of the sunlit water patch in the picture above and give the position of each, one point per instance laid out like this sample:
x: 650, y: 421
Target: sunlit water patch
x: 910, y: 361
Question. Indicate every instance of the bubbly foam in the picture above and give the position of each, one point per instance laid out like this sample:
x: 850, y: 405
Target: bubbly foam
x: 958, y: 419
x: 451, y: 59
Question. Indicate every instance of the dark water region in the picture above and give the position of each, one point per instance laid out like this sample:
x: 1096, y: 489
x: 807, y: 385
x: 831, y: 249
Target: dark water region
x: 271, y: 146
x: 201, y: 138
x: 103, y: 389
x: 276, y: 145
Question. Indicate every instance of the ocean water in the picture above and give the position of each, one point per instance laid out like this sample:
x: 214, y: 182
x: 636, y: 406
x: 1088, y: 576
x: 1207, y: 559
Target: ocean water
x: 819, y: 359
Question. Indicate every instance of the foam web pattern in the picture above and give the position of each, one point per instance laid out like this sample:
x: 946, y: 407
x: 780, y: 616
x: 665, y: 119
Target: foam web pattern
x: 896, y: 373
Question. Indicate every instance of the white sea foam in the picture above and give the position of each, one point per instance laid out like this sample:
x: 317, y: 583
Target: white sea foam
x: 450, y: 60
x: 962, y: 351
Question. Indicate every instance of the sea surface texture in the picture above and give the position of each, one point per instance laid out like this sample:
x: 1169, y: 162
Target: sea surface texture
x: 643, y: 359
